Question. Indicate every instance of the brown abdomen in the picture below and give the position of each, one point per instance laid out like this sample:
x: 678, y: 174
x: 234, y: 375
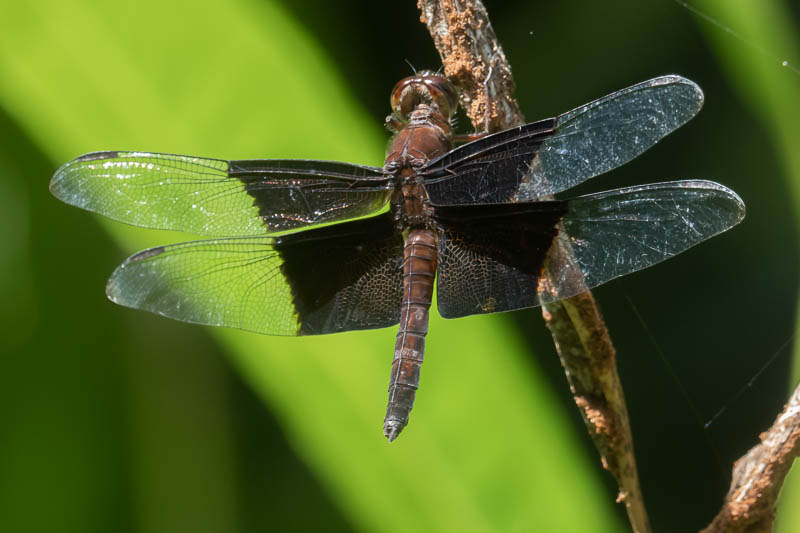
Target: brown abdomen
x: 419, y: 271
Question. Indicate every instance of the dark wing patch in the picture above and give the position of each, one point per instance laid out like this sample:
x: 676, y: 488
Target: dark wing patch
x: 294, y: 193
x: 491, y: 256
x: 345, y: 277
x: 489, y: 170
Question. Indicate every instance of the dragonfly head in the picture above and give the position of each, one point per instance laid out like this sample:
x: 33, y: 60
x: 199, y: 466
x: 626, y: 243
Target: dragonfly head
x: 425, y: 87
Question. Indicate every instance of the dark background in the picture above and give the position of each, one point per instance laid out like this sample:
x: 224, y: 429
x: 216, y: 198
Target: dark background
x: 90, y: 393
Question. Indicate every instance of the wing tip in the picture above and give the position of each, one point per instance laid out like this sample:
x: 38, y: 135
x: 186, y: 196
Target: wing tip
x: 735, y: 199
x: 60, y: 183
x: 738, y: 210
x: 677, y: 79
x: 113, y: 291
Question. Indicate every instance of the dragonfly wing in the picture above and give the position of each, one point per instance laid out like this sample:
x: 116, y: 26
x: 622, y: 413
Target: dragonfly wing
x: 543, y: 158
x: 216, y: 197
x: 337, y: 278
x: 500, y: 258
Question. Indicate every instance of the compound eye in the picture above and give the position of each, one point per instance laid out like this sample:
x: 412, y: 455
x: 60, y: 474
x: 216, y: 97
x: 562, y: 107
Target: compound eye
x: 443, y: 94
x: 405, y: 96
x: 424, y: 88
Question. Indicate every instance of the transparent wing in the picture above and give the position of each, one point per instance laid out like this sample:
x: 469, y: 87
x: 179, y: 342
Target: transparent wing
x: 491, y: 260
x: 617, y: 232
x: 550, y: 156
x: 219, y: 198
x: 337, y: 278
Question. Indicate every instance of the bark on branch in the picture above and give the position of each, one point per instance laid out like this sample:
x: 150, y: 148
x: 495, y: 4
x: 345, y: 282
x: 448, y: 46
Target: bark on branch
x: 474, y: 59
x: 758, y: 476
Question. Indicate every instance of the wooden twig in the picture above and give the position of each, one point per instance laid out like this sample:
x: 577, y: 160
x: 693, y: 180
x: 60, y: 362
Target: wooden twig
x: 758, y: 475
x: 474, y: 59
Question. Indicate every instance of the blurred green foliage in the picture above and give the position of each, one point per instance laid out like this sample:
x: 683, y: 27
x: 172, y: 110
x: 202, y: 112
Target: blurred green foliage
x: 114, y: 420
x: 768, y: 83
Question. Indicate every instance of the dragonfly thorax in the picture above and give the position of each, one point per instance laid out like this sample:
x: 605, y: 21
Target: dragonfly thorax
x: 424, y: 138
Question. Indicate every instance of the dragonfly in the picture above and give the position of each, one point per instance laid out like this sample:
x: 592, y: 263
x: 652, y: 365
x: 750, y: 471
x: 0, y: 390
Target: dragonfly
x: 305, y: 247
